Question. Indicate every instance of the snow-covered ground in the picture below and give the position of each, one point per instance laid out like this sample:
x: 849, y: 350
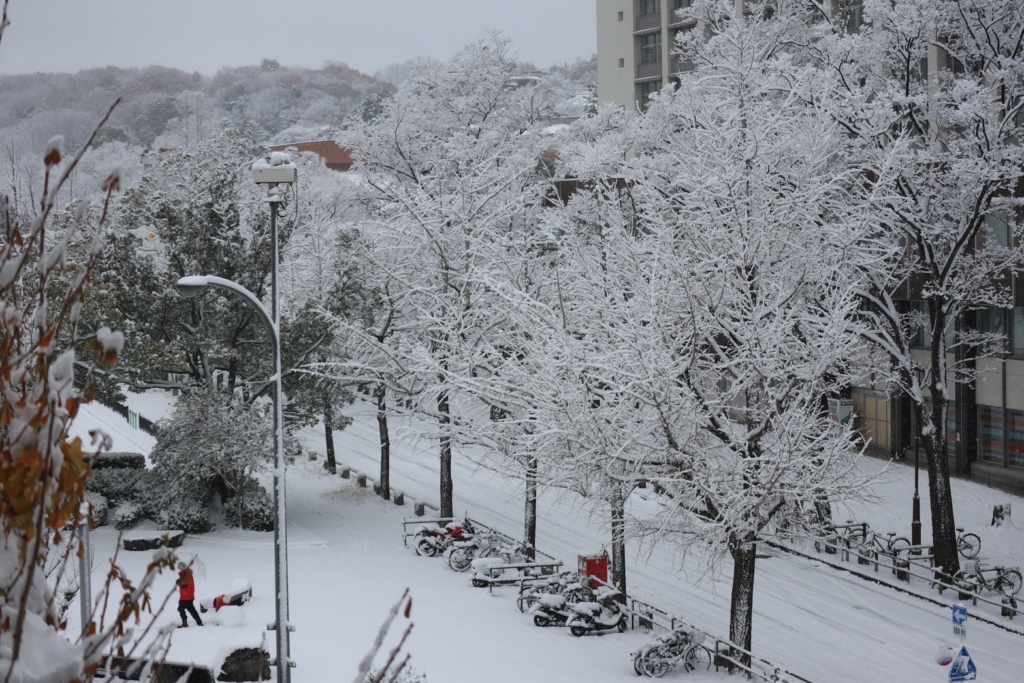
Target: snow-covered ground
x: 348, y: 566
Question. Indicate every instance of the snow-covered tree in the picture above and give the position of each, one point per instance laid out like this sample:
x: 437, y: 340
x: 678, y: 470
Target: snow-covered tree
x: 214, y: 442
x: 449, y: 164
x: 933, y: 92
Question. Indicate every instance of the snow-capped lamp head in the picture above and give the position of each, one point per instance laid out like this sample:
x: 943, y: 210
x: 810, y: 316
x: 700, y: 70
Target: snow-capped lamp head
x: 191, y: 286
x: 276, y: 168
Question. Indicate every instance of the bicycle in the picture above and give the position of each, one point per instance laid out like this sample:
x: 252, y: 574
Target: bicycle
x: 969, y: 545
x: 871, y: 545
x: 841, y: 535
x: 1007, y: 581
x: 679, y: 646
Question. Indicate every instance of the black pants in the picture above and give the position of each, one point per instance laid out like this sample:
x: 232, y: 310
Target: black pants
x: 189, y: 606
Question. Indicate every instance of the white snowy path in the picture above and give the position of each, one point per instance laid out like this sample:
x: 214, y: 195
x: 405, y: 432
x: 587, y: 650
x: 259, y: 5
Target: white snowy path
x: 827, y: 626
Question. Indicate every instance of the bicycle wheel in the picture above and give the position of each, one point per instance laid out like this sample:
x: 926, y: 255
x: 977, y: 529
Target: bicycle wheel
x: 969, y: 545
x: 855, y: 537
x: 899, y: 547
x: 698, y: 658
x: 656, y: 663
x: 1011, y: 582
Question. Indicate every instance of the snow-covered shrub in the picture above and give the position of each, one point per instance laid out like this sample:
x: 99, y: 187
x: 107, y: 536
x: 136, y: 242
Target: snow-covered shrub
x: 119, y: 460
x: 187, y: 514
x: 128, y: 515
x: 257, y: 508
x: 118, y: 485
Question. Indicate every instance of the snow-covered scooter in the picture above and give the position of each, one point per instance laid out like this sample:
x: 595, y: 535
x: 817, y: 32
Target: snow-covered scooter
x: 604, y: 615
x: 550, y: 609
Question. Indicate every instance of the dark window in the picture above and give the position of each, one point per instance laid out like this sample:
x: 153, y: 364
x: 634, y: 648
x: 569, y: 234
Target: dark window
x: 647, y: 89
x: 1017, y: 332
x: 996, y: 230
x: 854, y: 15
x: 649, y: 7
x: 650, y: 48
x: 922, y: 335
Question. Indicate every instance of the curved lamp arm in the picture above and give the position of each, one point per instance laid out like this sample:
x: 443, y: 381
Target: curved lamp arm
x: 194, y: 285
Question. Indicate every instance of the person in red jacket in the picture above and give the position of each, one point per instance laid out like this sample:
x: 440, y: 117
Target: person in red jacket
x: 187, y: 595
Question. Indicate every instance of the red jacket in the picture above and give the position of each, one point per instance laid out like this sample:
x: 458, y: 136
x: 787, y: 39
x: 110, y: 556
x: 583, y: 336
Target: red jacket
x: 186, y: 585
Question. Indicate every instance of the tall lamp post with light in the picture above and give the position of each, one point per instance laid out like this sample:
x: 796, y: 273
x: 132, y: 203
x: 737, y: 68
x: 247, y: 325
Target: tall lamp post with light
x: 273, y: 172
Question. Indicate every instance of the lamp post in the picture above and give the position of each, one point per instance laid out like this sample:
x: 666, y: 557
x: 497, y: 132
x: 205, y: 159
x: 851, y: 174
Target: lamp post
x: 193, y: 286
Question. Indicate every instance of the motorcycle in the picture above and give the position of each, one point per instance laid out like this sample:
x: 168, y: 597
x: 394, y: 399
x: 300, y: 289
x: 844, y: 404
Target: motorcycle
x: 594, y: 617
x: 550, y: 610
x: 430, y: 541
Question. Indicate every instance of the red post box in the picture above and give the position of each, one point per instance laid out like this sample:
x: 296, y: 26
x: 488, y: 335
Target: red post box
x: 594, y: 566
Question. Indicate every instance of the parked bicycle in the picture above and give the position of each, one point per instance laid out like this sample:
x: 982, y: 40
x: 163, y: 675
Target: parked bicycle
x: 1006, y: 580
x: 840, y: 536
x: 680, y: 646
x: 969, y: 545
x: 873, y: 544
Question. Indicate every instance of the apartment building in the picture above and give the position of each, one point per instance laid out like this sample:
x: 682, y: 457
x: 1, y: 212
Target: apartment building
x: 985, y: 422
x: 635, y: 41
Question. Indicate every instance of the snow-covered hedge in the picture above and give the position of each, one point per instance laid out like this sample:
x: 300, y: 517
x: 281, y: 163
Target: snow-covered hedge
x: 257, y: 509
x: 118, y: 485
x: 128, y: 515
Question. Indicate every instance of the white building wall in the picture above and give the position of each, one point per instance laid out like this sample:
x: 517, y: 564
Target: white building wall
x: 616, y: 54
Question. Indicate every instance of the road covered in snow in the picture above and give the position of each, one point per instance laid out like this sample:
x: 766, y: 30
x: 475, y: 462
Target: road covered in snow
x: 824, y: 625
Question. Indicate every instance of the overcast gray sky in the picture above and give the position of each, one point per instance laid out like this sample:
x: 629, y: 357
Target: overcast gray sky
x: 204, y: 35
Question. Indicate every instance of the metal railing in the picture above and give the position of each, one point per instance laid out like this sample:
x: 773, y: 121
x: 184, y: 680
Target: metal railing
x: 903, y: 569
x: 726, y: 655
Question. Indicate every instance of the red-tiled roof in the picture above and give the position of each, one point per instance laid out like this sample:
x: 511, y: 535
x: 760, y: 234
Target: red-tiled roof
x: 336, y: 157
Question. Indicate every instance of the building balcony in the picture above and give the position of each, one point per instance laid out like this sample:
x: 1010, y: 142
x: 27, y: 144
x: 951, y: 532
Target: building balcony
x: 648, y: 22
x: 648, y: 70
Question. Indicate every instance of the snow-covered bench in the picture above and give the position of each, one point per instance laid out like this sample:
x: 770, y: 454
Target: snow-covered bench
x: 151, y: 539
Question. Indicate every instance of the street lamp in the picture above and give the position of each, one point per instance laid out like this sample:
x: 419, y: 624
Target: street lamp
x: 193, y: 286
x: 272, y: 171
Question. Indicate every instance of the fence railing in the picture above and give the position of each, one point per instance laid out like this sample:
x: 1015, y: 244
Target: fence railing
x: 726, y: 655
x: 903, y: 568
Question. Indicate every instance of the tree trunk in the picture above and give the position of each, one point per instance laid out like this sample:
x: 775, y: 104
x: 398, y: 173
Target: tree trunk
x: 331, y: 465
x: 941, y: 499
x: 380, y: 393
x: 445, y: 419
x: 619, y: 544
x: 530, y: 518
x: 241, y: 500
x: 937, y: 450
x: 741, y: 610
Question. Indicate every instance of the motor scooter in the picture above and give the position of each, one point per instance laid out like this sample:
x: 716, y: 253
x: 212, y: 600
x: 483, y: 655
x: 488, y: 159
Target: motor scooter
x: 595, y: 617
x: 550, y: 609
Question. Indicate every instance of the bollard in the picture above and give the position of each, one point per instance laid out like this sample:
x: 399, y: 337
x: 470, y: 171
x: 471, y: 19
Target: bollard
x: 1009, y: 609
x: 361, y: 480
x: 902, y: 569
x: 399, y: 499
x: 418, y: 509
x: 346, y: 473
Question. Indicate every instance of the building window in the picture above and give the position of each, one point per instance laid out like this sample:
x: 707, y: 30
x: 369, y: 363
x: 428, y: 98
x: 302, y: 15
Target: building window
x: 621, y: 16
x: 990, y: 320
x: 996, y: 230
x: 1016, y: 438
x: 648, y: 88
x: 871, y: 418
x: 990, y: 434
x: 1017, y: 332
x: 622, y: 62
x: 649, y: 7
x: 921, y: 321
x: 681, y: 4
x: 650, y: 48
x: 854, y: 15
